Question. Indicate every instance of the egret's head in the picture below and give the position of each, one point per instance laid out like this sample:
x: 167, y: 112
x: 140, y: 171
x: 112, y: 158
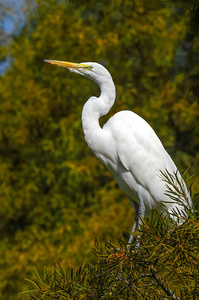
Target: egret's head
x: 94, y: 71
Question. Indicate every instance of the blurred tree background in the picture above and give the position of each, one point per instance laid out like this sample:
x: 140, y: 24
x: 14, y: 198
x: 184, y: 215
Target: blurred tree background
x: 56, y: 197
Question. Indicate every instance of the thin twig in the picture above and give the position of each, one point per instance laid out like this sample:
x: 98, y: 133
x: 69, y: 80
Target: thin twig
x: 162, y: 283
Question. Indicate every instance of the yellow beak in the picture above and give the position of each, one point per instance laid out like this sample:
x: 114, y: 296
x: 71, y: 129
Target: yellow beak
x: 68, y: 65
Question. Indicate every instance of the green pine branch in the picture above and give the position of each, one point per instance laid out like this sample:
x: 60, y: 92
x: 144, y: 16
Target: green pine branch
x: 166, y: 266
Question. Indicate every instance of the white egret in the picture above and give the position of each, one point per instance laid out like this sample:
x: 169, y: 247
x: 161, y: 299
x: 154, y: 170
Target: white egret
x: 126, y: 145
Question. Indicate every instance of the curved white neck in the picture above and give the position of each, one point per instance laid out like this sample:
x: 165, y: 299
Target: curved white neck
x: 93, y: 109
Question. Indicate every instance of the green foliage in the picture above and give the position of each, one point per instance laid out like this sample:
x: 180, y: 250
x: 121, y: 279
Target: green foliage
x: 55, y: 196
x: 164, y: 267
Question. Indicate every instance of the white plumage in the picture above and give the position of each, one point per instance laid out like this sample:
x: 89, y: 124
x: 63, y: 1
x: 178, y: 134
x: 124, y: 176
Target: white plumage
x: 127, y: 145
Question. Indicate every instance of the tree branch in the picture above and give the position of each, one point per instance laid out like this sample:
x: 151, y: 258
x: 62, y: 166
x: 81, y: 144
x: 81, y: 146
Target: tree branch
x: 162, y: 283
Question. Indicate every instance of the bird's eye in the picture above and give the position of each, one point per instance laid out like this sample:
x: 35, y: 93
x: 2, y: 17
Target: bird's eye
x: 87, y: 67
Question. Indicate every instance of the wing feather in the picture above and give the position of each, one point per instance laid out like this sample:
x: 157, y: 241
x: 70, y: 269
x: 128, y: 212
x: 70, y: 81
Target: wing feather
x: 140, y: 151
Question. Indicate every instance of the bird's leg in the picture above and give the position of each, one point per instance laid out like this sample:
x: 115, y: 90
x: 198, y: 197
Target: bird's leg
x: 136, y: 218
x: 139, y: 215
